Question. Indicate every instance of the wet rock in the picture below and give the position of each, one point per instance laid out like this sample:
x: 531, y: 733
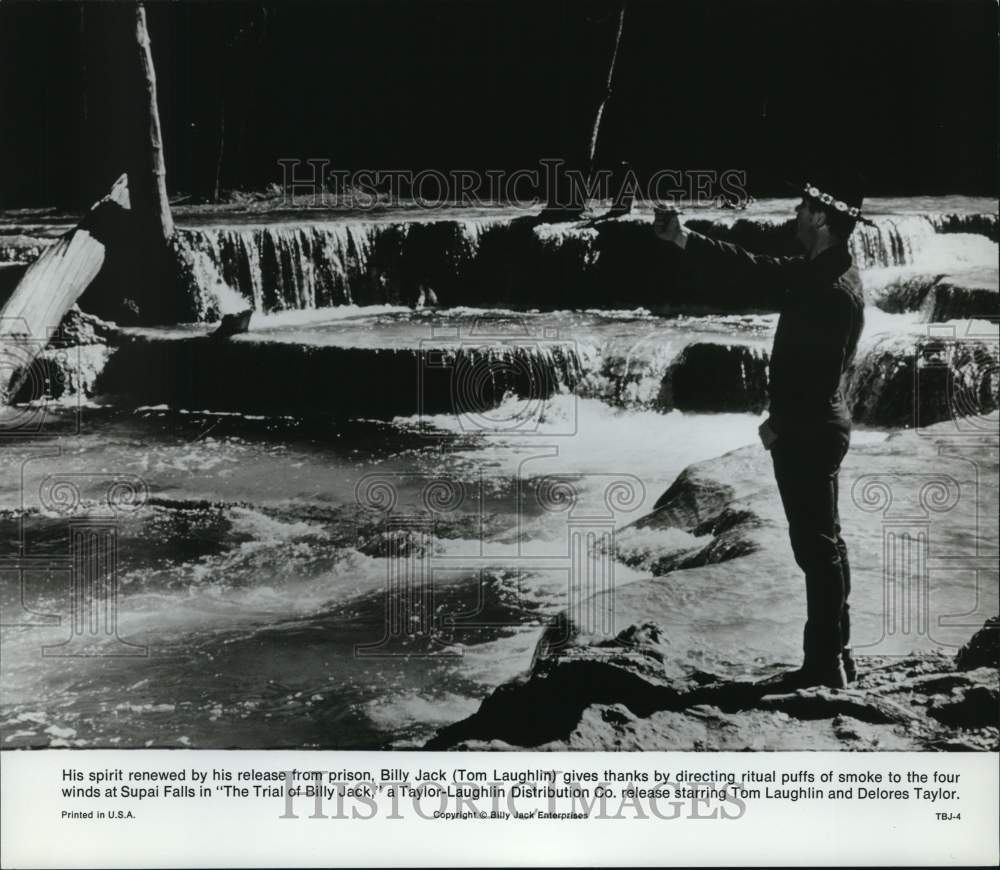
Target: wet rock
x: 79, y: 328
x: 64, y: 373
x: 983, y: 224
x: 620, y: 696
x: 548, y: 705
x: 699, y: 729
x: 822, y: 703
x: 983, y: 649
x: 71, y: 365
x: 728, y: 519
x: 707, y: 728
x: 648, y: 637
x: 691, y: 500
x: 716, y: 377
x: 234, y: 324
x: 916, y: 381
x: 654, y: 552
x: 983, y: 740
x: 952, y: 300
x: 395, y: 543
x: 927, y: 683
x: 730, y: 545
x: 971, y: 293
x: 973, y: 707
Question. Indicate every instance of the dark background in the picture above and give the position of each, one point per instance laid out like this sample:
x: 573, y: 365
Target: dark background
x: 905, y: 89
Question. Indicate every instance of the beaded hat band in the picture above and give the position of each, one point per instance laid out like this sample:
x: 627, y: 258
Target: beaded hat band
x: 826, y: 199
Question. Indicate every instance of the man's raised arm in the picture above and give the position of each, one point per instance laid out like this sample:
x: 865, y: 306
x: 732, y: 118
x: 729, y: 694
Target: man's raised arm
x: 724, y: 259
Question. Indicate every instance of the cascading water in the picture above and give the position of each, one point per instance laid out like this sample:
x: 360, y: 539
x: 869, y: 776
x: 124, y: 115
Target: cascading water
x: 257, y: 566
x: 484, y: 261
x: 292, y: 266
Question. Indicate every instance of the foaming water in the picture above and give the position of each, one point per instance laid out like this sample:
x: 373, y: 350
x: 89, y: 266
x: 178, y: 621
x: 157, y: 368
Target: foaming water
x: 253, y: 576
x: 944, y: 254
x: 571, y: 436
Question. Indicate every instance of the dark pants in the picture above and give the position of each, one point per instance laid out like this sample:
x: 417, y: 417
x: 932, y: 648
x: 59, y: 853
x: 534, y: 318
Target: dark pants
x: 806, y: 467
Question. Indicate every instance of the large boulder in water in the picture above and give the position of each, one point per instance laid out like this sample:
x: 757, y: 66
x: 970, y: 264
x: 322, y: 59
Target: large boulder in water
x: 983, y: 649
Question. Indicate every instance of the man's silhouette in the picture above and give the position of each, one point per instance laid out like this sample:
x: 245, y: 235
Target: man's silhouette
x: 808, y: 429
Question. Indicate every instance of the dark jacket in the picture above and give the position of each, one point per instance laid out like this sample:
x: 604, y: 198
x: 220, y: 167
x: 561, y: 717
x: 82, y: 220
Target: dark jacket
x: 822, y: 314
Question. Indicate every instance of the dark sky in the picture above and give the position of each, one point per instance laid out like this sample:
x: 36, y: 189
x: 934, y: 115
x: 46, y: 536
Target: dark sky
x: 905, y: 89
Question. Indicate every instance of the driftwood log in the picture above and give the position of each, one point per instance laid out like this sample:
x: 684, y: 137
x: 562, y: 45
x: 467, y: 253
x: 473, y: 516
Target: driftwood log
x: 51, y: 286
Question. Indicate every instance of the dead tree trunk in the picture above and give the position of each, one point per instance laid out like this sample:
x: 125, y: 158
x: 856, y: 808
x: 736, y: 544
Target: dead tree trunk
x: 592, y: 147
x: 568, y: 198
x: 159, y: 204
x: 217, y: 179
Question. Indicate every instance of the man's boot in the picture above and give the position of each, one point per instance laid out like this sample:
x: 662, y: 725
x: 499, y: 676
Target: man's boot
x: 816, y: 670
x: 808, y: 676
x: 850, y: 668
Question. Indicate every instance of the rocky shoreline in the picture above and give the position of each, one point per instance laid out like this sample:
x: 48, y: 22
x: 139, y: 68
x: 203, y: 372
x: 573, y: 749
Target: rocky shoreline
x: 641, y: 689
x: 617, y: 698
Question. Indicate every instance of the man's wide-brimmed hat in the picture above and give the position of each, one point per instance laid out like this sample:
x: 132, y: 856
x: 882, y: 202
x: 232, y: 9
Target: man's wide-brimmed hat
x: 841, y: 190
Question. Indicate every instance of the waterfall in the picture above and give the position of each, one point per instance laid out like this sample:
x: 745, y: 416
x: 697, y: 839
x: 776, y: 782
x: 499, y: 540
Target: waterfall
x: 898, y: 379
x: 291, y: 378
x: 516, y: 262
x: 279, y: 267
x: 892, y: 241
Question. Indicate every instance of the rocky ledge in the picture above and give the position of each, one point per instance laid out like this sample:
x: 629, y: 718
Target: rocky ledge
x: 719, y: 528
x: 967, y: 293
x: 618, y: 696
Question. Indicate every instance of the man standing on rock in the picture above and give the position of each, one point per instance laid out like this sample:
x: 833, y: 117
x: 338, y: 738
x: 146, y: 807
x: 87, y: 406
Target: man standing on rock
x: 808, y: 429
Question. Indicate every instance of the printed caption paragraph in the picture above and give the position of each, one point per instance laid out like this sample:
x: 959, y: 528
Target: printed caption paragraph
x: 499, y: 793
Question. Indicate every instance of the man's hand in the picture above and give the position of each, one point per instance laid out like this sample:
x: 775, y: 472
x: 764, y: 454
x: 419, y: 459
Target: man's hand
x: 667, y: 226
x: 767, y: 435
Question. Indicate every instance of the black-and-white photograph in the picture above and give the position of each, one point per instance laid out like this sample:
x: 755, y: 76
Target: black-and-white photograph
x: 499, y: 375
